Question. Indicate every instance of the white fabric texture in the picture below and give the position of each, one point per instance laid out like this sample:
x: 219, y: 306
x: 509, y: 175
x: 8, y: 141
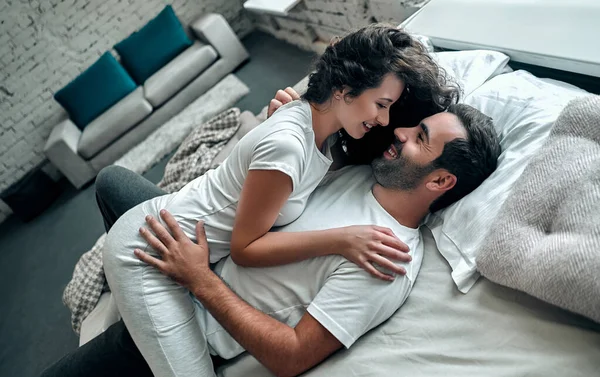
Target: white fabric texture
x: 470, y: 69
x: 284, y: 142
x: 546, y: 238
x: 494, y: 331
x: 524, y: 109
x: 344, y: 298
x: 174, y: 332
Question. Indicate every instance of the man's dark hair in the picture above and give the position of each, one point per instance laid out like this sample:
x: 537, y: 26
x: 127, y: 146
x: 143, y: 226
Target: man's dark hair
x: 471, y: 160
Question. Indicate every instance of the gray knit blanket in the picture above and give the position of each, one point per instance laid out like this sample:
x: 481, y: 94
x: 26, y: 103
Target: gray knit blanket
x: 193, y: 158
x: 546, y: 239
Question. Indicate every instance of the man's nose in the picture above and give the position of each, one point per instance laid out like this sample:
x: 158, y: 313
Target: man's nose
x: 401, y: 134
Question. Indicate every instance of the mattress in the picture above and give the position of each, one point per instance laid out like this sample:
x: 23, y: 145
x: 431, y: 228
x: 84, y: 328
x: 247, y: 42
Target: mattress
x: 492, y: 331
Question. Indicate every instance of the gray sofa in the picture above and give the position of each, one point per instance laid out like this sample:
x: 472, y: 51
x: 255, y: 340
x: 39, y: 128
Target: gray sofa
x: 80, y: 155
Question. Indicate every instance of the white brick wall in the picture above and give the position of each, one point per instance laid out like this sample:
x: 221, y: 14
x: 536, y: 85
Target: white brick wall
x: 312, y: 23
x: 44, y: 44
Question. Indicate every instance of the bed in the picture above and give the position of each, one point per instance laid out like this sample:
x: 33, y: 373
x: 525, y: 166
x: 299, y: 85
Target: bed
x: 491, y: 331
x: 456, y: 322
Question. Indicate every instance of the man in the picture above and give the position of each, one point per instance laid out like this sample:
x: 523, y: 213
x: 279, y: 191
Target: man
x: 293, y: 317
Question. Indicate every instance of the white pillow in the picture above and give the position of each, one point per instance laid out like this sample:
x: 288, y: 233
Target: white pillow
x: 523, y: 108
x: 472, y: 68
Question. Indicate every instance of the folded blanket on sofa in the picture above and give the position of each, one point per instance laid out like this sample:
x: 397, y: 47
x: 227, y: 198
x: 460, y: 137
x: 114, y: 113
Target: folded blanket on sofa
x: 546, y: 240
x: 193, y: 158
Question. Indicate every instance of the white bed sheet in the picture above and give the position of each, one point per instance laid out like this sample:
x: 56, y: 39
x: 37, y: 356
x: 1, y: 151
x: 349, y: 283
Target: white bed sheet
x: 492, y: 331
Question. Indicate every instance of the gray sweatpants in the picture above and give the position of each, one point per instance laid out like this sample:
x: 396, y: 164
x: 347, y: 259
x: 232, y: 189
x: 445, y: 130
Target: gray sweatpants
x: 112, y: 353
x: 162, y: 317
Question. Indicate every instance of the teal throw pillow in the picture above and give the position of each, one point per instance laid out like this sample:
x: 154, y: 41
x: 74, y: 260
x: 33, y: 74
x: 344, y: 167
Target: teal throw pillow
x: 153, y: 46
x: 94, y: 91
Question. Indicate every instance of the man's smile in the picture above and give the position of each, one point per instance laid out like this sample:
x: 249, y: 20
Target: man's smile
x: 391, y: 153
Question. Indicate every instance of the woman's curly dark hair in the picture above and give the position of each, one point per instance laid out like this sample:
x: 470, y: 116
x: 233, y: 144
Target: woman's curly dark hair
x: 360, y: 61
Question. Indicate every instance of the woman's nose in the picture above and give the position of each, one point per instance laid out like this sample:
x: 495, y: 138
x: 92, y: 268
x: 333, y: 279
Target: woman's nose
x: 383, y: 118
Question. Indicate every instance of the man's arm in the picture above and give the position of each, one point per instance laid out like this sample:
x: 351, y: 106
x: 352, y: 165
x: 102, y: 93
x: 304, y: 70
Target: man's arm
x: 284, y: 350
x: 282, y: 97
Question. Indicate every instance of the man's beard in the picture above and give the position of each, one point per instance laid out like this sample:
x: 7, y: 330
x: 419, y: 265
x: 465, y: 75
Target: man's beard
x: 400, y: 173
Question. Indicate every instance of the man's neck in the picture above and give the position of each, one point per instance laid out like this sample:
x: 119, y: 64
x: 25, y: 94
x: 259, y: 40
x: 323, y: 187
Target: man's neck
x: 407, y: 207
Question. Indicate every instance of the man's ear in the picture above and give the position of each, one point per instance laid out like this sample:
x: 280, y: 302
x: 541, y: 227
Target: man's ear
x: 441, y: 181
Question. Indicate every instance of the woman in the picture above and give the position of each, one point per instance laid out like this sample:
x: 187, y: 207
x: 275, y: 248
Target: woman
x: 266, y: 182
x: 272, y: 171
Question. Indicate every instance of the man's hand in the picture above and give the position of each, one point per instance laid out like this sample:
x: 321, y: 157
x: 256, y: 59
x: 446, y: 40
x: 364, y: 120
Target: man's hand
x: 182, y: 260
x: 281, y: 98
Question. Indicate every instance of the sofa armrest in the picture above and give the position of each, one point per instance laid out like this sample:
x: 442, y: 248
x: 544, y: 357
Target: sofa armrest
x: 212, y: 28
x: 61, y: 150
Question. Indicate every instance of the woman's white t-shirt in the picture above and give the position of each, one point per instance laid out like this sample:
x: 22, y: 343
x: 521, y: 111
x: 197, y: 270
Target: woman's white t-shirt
x: 284, y: 142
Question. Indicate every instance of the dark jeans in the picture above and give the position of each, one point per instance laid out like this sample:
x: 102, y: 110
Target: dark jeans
x: 112, y: 353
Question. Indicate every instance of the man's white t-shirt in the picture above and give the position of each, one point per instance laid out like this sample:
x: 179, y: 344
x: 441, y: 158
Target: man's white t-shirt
x: 343, y: 297
x: 284, y: 142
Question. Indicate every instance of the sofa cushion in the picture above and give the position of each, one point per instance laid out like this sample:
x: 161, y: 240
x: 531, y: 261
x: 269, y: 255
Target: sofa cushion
x: 113, y: 123
x: 150, y: 48
x: 171, y: 78
x: 99, y: 87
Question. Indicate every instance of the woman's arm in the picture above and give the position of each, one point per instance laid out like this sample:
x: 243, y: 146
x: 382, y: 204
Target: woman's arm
x: 263, y: 195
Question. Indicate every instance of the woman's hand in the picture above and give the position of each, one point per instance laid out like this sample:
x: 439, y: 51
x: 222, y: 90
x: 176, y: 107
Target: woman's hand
x: 370, y: 244
x: 182, y: 260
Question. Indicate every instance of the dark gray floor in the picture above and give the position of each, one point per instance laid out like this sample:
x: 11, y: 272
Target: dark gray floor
x: 37, y: 258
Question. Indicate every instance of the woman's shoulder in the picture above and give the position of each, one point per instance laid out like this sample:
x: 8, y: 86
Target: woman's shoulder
x: 285, y: 127
x: 293, y: 115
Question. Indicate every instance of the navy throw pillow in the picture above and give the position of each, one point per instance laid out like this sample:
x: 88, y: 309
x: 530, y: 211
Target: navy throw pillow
x: 95, y: 90
x: 153, y: 46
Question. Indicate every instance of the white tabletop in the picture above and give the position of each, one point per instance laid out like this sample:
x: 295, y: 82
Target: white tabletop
x: 560, y: 34
x: 276, y: 7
